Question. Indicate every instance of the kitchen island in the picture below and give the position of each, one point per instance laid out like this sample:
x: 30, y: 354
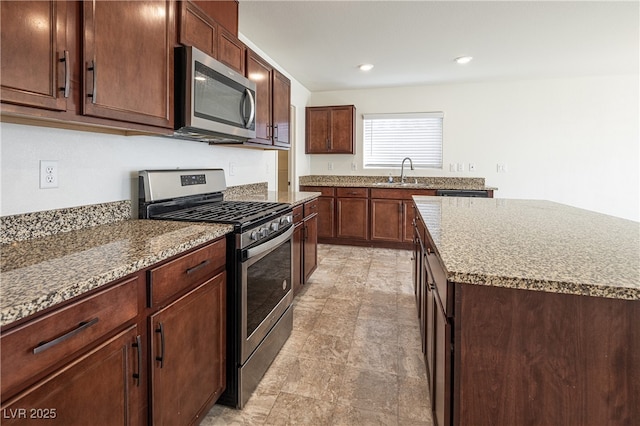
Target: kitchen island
x: 530, y: 312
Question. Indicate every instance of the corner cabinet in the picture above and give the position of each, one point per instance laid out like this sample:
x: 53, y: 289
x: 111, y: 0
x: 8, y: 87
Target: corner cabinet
x: 273, y: 97
x: 330, y: 129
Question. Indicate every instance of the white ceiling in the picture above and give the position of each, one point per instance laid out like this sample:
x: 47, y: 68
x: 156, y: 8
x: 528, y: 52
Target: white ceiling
x: 321, y: 43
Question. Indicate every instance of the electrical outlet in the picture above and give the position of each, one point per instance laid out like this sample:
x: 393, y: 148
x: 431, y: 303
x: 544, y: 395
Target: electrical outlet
x: 329, y: 165
x: 460, y: 167
x: 452, y: 167
x: 472, y: 167
x: 501, y: 168
x: 48, y: 174
x: 354, y: 167
x: 232, y: 169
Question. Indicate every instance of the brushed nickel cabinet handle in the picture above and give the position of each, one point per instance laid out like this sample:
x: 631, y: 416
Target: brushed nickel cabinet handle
x: 93, y: 68
x: 47, y: 345
x: 197, y: 267
x: 67, y: 75
x: 160, y: 357
x: 138, y: 346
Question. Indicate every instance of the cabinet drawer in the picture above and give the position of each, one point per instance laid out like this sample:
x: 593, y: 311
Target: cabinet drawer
x: 44, y: 342
x: 297, y: 214
x: 352, y: 192
x: 310, y: 207
x: 439, y: 278
x: 326, y: 191
x: 185, y: 271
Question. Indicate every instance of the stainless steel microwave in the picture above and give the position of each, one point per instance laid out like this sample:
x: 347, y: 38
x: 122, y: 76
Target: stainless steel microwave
x: 213, y: 103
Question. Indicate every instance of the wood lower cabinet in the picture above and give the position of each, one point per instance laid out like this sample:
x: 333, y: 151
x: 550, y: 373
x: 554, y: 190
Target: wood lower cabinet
x: 188, y: 354
x: 387, y: 220
x: 298, y: 250
x: 330, y: 130
x: 352, y: 213
x: 310, y: 238
x: 99, y: 387
x: 35, y: 68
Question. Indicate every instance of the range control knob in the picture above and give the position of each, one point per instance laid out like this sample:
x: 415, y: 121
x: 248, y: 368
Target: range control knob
x: 254, y: 236
x: 263, y: 232
x: 274, y: 226
x: 284, y: 220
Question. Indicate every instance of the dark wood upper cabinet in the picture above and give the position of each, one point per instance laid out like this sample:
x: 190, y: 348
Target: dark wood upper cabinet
x: 330, y: 129
x: 273, y: 97
x: 36, y: 71
x: 197, y: 29
x: 231, y: 51
x: 224, y: 12
x: 128, y: 61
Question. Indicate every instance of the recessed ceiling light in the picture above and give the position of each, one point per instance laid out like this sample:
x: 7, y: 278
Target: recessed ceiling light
x: 464, y: 59
x: 366, y: 67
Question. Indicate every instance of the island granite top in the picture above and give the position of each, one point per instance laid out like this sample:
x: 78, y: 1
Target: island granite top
x: 38, y: 273
x: 535, y: 245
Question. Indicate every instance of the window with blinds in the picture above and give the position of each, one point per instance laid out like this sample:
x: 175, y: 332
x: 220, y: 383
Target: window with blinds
x: 388, y: 138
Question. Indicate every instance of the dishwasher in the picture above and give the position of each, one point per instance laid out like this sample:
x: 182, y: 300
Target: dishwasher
x: 462, y: 193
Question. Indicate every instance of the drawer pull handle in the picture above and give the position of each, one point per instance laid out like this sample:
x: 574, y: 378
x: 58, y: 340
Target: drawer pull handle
x: 198, y: 266
x: 160, y: 330
x: 46, y: 345
x: 138, y: 346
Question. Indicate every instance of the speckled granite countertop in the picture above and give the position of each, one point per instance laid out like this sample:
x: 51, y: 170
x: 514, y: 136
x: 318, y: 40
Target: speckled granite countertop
x: 293, y: 198
x: 41, y: 272
x: 535, y: 245
x: 382, y: 182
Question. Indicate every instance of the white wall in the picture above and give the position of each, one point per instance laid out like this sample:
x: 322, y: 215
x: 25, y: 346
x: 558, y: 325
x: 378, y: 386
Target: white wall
x: 574, y: 141
x: 97, y: 167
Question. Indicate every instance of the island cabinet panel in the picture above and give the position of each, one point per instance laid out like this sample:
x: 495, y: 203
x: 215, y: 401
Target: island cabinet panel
x: 128, y: 61
x: 530, y: 357
x: 310, y: 238
x: 188, y: 349
x: 35, y: 58
x: 99, y: 387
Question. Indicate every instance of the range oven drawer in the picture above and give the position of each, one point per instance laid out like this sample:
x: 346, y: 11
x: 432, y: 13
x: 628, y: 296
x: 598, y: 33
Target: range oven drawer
x: 185, y: 272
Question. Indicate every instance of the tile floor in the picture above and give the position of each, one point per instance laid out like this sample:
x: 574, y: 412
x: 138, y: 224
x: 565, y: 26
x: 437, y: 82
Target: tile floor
x: 353, y: 357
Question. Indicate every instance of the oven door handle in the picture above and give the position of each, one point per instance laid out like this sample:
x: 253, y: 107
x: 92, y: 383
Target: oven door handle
x: 255, y: 251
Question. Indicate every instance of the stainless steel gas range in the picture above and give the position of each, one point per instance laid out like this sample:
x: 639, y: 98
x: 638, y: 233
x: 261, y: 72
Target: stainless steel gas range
x: 259, y: 265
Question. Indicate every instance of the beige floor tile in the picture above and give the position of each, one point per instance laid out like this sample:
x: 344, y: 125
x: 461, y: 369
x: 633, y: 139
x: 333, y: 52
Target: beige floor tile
x: 298, y: 410
x: 342, y: 307
x: 370, y: 390
x: 345, y: 415
x: 376, y: 329
x: 314, y: 379
x: 335, y: 325
x: 327, y: 348
x: 413, y: 399
x: 411, y: 362
x: 374, y: 356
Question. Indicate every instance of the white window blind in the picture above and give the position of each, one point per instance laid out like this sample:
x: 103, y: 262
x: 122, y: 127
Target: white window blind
x: 388, y: 138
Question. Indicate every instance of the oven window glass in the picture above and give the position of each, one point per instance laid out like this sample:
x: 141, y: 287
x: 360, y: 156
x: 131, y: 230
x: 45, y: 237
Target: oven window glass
x: 268, y: 281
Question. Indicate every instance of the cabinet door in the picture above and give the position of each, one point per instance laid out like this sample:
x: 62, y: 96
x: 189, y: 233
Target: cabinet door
x: 317, y: 130
x: 128, y: 61
x: 310, y: 246
x: 326, y: 217
x: 97, y: 387
x: 34, y: 70
x: 342, y: 129
x: 442, y: 363
x: 409, y: 214
x: 197, y: 29
x: 386, y: 220
x: 259, y: 72
x: 188, y: 347
x: 353, y: 218
x: 231, y: 51
x: 281, y: 102
x: 298, y: 256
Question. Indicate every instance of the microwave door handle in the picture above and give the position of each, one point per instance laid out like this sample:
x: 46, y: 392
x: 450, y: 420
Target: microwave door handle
x: 253, y: 108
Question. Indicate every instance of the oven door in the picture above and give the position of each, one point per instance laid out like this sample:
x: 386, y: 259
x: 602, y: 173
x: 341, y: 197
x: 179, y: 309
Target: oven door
x: 266, y: 289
